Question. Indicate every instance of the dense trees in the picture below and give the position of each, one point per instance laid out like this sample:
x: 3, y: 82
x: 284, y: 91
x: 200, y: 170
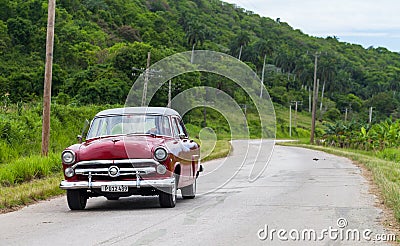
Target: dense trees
x: 98, y: 42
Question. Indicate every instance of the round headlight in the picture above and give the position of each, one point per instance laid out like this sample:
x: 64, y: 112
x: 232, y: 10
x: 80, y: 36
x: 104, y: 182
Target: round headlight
x: 160, y: 154
x: 68, y: 157
x: 161, y: 169
x: 69, y: 172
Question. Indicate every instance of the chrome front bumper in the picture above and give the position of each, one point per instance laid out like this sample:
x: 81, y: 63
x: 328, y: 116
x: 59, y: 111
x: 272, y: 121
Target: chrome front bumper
x: 156, y: 183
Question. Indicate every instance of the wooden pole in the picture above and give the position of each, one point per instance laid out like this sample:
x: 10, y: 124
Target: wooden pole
x: 322, y: 96
x: 309, y: 99
x: 315, y: 98
x: 290, y: 120
x: 262, y: 77
x: 370, y: 115
x: 146, y: 80
x: 169, y: 93
x: 48, y: 77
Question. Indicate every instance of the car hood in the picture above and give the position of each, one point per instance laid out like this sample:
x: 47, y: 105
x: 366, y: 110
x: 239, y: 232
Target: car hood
x: 119, y: 147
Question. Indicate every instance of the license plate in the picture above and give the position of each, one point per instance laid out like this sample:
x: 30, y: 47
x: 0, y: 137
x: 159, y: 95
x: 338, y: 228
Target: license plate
x: 114, y: 188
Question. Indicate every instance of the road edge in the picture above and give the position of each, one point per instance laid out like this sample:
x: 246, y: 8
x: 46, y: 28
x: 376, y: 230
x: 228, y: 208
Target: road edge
x: 388, y: 219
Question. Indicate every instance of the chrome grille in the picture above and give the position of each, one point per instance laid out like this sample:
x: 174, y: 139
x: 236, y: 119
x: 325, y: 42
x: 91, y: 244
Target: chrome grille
x: 122, y: 171
x: 126, y: 167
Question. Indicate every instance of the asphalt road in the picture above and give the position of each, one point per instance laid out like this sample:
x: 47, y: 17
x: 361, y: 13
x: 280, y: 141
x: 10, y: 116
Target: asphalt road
x: 294, y: 193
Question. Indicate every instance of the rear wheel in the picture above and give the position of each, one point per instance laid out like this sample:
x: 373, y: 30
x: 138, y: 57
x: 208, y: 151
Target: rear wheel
x: 189, y: 192
x: 168, y: 199
x: 76, y: 199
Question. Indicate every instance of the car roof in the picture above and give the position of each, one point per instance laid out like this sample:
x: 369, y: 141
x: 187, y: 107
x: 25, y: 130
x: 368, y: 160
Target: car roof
x: 138, y: 110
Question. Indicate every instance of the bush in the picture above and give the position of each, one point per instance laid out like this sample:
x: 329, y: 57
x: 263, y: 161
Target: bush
x: 332, y: 114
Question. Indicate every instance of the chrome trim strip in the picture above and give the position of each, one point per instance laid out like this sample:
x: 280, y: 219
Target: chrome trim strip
x: 137, y: 180
x: 108, y: 162
x: 90, y: 180
x: 156, y: 183
x: 132, y: 171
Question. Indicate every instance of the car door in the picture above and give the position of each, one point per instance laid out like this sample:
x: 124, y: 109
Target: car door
x: 190, y: 152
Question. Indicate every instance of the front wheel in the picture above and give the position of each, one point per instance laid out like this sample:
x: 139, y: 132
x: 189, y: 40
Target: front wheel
x: 76, y: 199
x: 168, y: 199
x: 189, y: 192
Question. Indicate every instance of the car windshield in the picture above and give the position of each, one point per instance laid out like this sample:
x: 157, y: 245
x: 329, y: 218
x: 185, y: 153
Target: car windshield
x: 129, y: 124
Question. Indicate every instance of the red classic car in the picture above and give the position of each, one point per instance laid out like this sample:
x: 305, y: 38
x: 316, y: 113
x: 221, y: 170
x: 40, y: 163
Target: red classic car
x: 132, y: 151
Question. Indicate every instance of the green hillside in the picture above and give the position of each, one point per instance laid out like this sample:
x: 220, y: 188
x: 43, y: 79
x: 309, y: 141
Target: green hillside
x: 97, y: 42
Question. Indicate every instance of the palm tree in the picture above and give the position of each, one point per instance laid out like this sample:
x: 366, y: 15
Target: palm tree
x: 240, y: 41
x: 195, y: 34
x: 328, y: 72
x: 303, y: 69
x: 263, y: 48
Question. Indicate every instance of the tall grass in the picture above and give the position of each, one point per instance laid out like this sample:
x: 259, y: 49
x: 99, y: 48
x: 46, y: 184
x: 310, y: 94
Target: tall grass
x: 28, y: 168
x: 21, y: 127
x: 20, y: 139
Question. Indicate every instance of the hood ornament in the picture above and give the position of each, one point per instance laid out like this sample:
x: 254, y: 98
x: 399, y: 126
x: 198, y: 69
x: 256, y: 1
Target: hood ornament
x: 115, y: 140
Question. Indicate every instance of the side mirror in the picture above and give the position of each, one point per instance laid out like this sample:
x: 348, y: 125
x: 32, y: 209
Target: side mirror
x: 84, y: 129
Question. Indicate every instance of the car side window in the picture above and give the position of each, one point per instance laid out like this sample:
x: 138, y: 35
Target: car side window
x: 181, y: 127
x: 175, y: 127
x: 166, y: 129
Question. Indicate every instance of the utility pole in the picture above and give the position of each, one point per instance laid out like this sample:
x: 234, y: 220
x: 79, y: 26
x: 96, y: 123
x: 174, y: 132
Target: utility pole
x: 192, y: 56
x: 169, y: 93
x: 345, y: 115
x: 314, y: 106
x: 370, y: 115
x: 146, y: 80
x: 322, y: 96
x: 309, y: 99
x: 262, y: 77
x: 290, y: 120
x: 48, y: 77
x: 205, y: 108
x: 296, y: 104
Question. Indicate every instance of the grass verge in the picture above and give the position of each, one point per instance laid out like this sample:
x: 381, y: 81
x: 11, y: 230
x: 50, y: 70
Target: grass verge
x: 385, y: 174
x: 26, y: 193
x: 222, y: 149
x: 25, y: 169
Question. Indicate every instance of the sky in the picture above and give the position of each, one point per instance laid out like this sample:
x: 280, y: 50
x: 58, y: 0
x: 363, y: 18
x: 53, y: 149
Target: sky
x: 367, y: 22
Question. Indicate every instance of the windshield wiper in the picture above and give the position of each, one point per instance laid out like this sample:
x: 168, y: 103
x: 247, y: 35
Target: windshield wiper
x: 134, y: 133
x: 142, y: 133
